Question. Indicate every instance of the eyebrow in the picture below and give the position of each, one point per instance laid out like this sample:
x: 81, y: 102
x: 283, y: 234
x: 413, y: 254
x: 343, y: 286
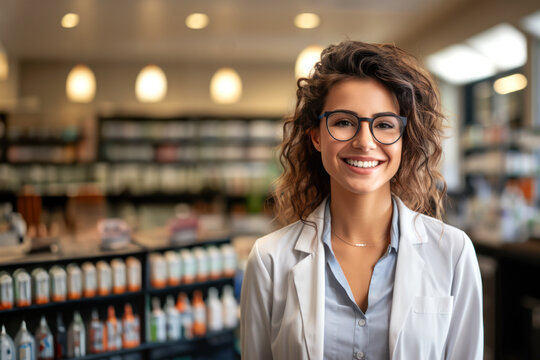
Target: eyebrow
x: 373, y: 115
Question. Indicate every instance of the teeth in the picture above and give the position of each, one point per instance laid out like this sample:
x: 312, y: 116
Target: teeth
x: 362, y: 164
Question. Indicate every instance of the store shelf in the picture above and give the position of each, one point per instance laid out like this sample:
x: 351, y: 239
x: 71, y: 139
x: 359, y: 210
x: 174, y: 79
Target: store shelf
x: 188, y: 288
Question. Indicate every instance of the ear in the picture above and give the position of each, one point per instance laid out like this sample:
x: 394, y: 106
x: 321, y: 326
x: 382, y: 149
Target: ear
x: 315, y: 134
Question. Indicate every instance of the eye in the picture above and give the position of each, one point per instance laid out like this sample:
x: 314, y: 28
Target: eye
x: 386, y: 123
x: 342, y: 120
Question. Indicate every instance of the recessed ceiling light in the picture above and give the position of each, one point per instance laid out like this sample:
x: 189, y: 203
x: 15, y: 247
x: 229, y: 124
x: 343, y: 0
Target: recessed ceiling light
x: 197, y: 21
x: 307, y: 20
x: 70, y: 20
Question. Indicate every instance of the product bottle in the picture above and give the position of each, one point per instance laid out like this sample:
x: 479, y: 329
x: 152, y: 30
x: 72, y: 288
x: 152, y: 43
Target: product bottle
x: 214, y: 310
x: 60, y: 338
x: 158, y: 327
x: 114, y: 331
x: 76, y: 337
x: 199, y: 314
x: 230, y: 308
x: 173, y: 319
x: 186, y: 316
x: 25, y: 347
x: 7, y: 347
x: 130, y: 324
x: 44, y: 341
x: 97, y: 339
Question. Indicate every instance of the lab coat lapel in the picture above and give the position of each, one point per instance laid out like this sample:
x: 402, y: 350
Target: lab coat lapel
x: 309, y: 281
x: 409, y: 270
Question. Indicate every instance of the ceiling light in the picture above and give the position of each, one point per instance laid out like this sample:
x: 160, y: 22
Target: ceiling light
x: 503, y: 44
x: 197, y: 21
x: 531, y: 23
x: 306, y: 60
x: 510, y: 84
x: 81, y: 84
x: 459, y: 64
x: 226, y: 86
x: 151, y: 84
x: 70, y: 20
x: 307, y: 20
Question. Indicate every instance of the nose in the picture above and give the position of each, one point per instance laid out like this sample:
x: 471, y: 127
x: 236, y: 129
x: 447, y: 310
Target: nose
x: 363, y: 139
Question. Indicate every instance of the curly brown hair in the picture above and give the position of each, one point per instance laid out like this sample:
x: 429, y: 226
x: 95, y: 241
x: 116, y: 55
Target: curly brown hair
x: 304, y: 182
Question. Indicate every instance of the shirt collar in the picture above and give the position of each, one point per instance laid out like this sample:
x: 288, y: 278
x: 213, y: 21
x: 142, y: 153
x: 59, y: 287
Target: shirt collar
x: 394, y: 229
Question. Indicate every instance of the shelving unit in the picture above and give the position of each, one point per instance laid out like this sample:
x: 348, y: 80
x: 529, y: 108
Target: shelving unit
x: 216, y: 345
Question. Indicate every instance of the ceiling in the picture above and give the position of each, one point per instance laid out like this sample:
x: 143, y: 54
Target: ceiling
x: 239, y: 30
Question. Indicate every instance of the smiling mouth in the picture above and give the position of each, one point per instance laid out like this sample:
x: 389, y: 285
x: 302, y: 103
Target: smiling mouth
x: 362, y: 164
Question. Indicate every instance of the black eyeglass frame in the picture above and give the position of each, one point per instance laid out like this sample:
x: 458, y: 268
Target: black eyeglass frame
x: 326, y: 114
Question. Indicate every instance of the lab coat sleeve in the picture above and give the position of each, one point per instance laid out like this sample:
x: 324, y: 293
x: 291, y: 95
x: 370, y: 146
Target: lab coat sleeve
x: 466, y: 335
x: 255, y: 309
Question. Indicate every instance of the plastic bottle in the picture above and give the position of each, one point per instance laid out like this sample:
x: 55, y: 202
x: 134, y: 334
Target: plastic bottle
x: 130, y: 324
x: 97, y: 337
x: 25, y: 347
x: 89, y: 279
x: 40, y: 286
x: 7, y: 347
x: 74, y: 281
x: 114, y: 330
x: 173, y: 319
x: 199, y: 314
x: 118, y: 267
x: 133, y: 274
x: 158, y: 327
x: 60, y: 338
x: 214, y: 310
x: 76, y: 337
x: 230, y: 308
x: 44, y: 341
x: 186, y: 316
x: 6, y: 291
x: 23, y: 288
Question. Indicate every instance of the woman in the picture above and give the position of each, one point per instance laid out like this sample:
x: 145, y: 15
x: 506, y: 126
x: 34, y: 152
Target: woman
x: 367, y: 270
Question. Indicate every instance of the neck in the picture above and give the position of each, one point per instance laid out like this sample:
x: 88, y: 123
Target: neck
x: 364, y: 218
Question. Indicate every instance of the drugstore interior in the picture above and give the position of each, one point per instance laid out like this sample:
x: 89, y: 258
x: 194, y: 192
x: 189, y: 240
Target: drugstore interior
x: 138, y: 152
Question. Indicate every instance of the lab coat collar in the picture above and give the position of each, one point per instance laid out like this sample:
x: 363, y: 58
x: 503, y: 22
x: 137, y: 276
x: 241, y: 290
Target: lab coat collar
x: 409, y: 266
x: 309, y: 281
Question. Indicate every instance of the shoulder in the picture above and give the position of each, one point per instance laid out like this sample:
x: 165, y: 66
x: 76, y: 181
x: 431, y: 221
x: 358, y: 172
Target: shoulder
x: 446, y: 237
x: 275, y: 251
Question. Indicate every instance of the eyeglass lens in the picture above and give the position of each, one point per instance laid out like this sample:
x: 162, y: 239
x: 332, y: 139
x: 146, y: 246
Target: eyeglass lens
x: 385, y: 129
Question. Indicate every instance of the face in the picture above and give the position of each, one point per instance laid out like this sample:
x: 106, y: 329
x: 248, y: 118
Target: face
x: 360, y: 165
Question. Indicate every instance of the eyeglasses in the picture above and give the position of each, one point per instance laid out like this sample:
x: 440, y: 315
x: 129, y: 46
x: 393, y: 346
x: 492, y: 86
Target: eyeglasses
x: 385, y: 128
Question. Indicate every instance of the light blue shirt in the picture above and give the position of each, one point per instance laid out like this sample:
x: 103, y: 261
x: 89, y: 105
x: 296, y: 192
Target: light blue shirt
x: 349, y: 333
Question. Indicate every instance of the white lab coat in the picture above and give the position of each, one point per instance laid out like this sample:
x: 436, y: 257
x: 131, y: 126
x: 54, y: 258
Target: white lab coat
x: 436, y: 306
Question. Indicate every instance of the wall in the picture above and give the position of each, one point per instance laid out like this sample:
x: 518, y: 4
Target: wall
x: 268, y: 90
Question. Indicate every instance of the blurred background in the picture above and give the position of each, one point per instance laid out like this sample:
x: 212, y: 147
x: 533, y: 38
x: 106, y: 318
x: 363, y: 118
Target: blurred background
x: 159, y: 119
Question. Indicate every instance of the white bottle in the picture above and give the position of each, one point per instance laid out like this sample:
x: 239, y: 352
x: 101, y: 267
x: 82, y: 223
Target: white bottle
x: 76, y: 339
x: 173, y: 319
x: 214, y: 310
x: 230, y: 308
x: 44, y: 341
x: 158, y: 324
x: 7, y: 347
x: 25, y: 347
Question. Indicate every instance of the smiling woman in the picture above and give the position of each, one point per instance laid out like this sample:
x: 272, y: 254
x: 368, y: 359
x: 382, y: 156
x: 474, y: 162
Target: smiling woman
x: 365, y: 269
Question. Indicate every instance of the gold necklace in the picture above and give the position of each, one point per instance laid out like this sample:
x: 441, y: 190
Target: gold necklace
x: 351, y: 243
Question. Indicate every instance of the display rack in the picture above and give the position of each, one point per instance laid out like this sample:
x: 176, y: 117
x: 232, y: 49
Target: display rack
x: 216, y: 345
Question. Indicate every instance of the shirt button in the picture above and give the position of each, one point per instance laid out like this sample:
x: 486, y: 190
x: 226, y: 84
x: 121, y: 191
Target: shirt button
x: 362, y: 322
x: 359, y: 355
